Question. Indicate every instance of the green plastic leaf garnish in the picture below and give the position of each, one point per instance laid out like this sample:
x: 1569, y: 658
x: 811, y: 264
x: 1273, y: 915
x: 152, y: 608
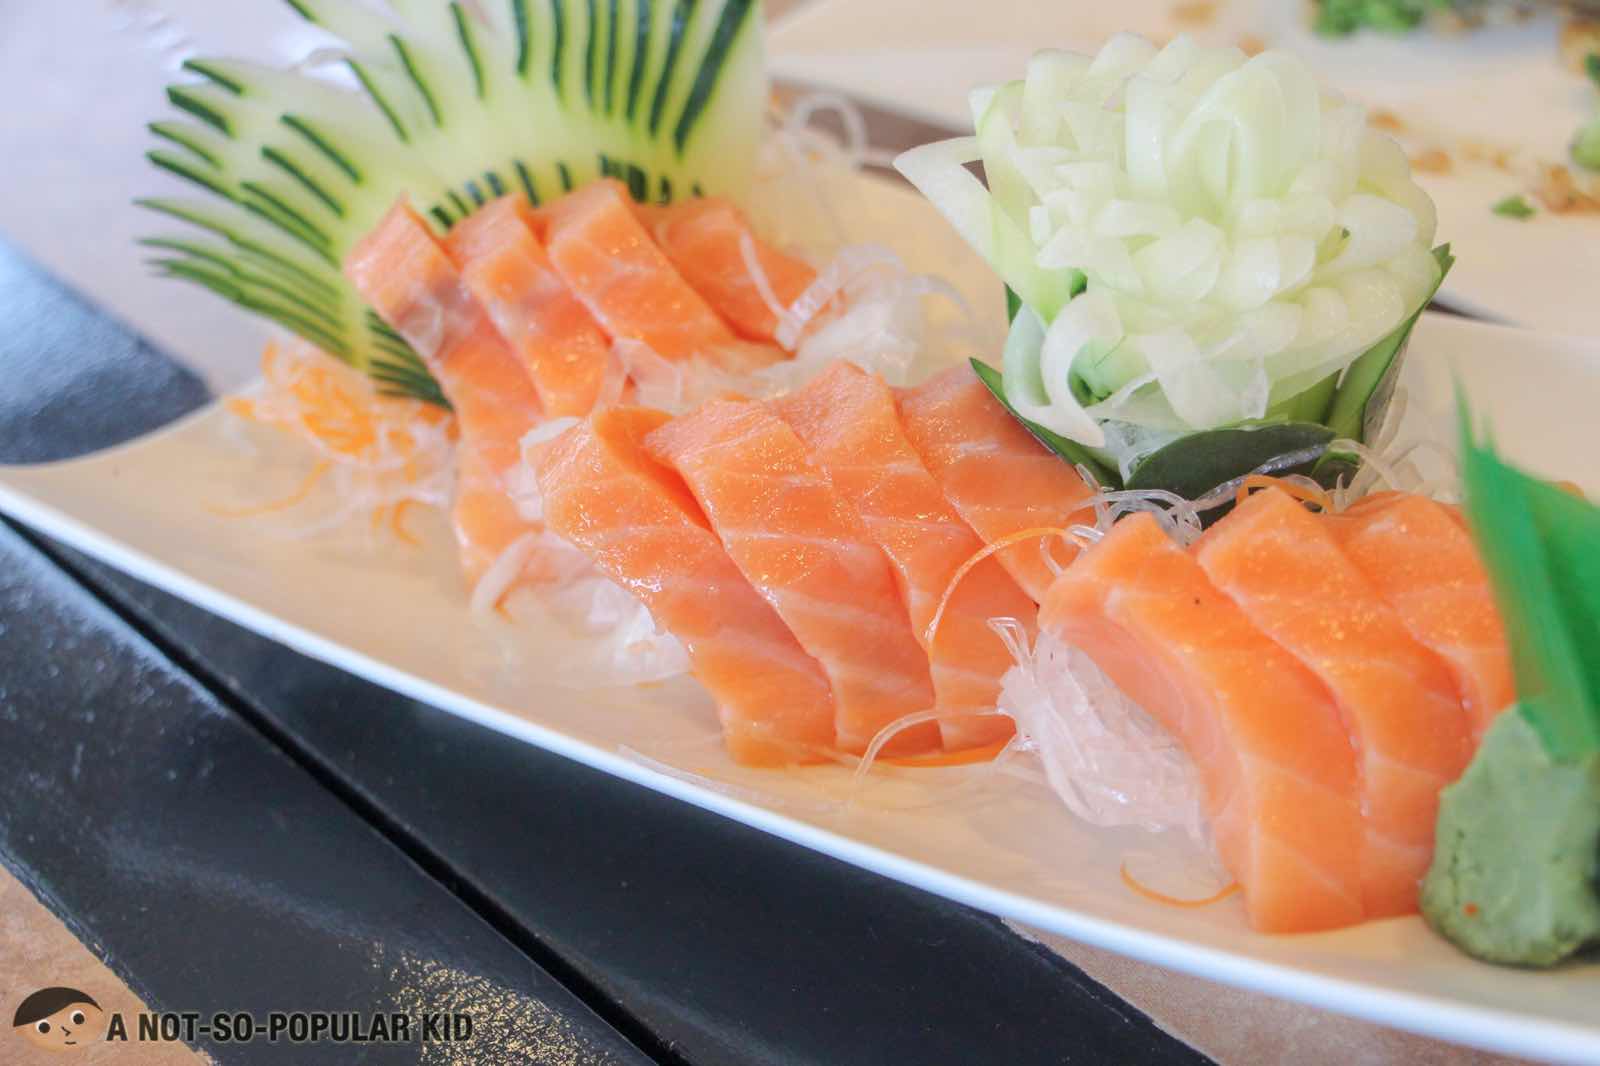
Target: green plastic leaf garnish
x: 1514, y: 872
x: 1541, y: 545
x: 1072, y: 452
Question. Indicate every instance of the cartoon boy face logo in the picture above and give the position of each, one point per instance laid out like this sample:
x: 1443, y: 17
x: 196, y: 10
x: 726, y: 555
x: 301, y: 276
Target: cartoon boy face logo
x: 59, y: 1019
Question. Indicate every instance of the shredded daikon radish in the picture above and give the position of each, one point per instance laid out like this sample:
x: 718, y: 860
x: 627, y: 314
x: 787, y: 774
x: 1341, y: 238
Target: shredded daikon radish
x: 1109, y: 762
x: 502, y: 574
x: 380, y: 452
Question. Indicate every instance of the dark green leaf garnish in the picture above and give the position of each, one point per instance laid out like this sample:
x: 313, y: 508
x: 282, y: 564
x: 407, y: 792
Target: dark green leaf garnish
x: 1194, y: 465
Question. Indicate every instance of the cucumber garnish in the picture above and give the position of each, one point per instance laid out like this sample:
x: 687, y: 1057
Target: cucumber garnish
x: 457, y: 105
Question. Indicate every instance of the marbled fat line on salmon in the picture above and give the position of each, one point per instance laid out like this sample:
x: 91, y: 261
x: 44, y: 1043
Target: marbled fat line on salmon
x: 1285, y: 570
x: 848, y: 421
x: 403, y: 272
x: 639, y: 524
x: 1418, y: 554
x: 706, y: 239
x: 1276, y: 764
x: 799, y: 543
x: 613, y: 265
x: 507, y: 270
x: 997, y: 476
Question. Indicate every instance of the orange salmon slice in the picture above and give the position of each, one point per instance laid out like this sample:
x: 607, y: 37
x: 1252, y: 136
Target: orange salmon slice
x: 797, y: 541
x: 614, y: 267
x: 404, y: 273
x: 847, y: 419
x: 706, y: 240
x: 995, y: 474
x: 1276, y: 765
x: 1421, y: 559
x: 507, y: 270
x: 1284, y: 568
x: 636, y: 520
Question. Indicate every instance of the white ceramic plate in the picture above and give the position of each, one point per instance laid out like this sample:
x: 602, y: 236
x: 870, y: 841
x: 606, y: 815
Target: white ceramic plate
x: 398, y: 616
x: 1502, y: 87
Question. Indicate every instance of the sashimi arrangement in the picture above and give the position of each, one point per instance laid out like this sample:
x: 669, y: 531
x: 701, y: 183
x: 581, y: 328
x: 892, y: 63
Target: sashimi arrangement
x: 528, y: 286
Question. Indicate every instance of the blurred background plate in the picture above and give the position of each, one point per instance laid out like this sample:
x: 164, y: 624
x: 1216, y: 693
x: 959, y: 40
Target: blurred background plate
x: 1498, y: 92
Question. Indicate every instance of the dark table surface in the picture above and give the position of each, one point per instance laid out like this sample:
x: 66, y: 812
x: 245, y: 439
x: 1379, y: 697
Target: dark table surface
x: 230, y: 825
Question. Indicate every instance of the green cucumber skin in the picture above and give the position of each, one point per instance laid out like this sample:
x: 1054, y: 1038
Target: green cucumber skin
x: 458, y: 15
x: 681, y: 10
x: 641, y: 57
x: 321, y: 143
x: 591, y: 59
x: 558, y: 43
x: 523, y: 28
x: 707, y: 78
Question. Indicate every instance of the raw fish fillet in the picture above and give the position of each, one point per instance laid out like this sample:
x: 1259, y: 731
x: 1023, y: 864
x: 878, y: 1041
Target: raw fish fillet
x: 1276, y: 763
x: 636, y: 520
x: 507, y: 270
x: 1284, y: 568
x: 996, y: 475
x: 1420, y: 557
x: 847, y: 419
x: 794, y: 537
x: 404, y: 273
x: 704, y: 237
x: 613, y: 266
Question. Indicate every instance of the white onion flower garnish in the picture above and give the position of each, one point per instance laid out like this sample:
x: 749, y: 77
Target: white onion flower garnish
x: 1243, y: 234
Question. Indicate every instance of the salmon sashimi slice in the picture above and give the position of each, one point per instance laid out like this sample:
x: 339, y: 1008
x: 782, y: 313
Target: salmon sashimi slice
x: 1276, y: 765
x: 404, y: 273
x: 1421, y: 559
x: 611, y: 263
x: 708, y: 239
x: 636, y: 520
x: 847, y: 419
x: 997, y: 476
x: 1284, y: 568
x: 799, y: 543
x: 507, y: 270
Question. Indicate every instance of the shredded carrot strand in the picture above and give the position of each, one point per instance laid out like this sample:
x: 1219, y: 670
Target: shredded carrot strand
x: 397, y: 522
x: 1299, y: 492
x: 299, y: 494
x: 965, y: 757
x: 1174, y: 901
x: 977, y: 557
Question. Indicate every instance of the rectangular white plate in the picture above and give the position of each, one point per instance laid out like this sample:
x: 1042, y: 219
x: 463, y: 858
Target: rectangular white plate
x: 397, y: 615
x: 1501, y: 87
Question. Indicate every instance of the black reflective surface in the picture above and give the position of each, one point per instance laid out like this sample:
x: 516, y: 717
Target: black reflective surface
x: 213, y: 873
x: 73, y: 380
